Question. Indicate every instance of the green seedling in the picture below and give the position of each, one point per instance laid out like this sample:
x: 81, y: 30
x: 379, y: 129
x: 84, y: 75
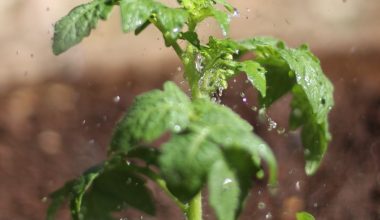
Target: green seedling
x: 210, y: 145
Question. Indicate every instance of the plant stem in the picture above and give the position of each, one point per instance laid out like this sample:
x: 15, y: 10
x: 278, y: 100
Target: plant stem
x: 194, y: 211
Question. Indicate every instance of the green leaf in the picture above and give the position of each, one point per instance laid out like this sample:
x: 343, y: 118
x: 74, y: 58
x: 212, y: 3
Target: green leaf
x: 172, y: 21
x: 231, y: 132
x: 229, y: 183
x: 315, y: 136
x: 309, y: 76
x: 227, y: 5
x: 256, y: 75
x: 223, y: 19
x: 185, y: 162
x: 299, y: 71
x: 82, y: 184
x: 150, y: 116
x: 114, y: 190
x: 58, y: 198
x: 134, y: 13
x: 72, y: 28
x: 304, y: 216
x: 224, y: 191
x: 148, y: 154
x: 191, y: 37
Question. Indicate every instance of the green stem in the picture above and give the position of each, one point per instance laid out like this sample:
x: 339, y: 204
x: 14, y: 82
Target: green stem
x: 194, y: 211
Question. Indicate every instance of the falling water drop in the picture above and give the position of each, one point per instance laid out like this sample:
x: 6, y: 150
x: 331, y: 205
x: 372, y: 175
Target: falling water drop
x: 235, y: 13
x: 261, y: 205
x: 268, y: 215
x: 298, y: 186
x: 116, y: 99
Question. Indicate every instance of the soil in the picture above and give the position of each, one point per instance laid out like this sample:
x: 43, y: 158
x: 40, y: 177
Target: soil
x: 53, y: 130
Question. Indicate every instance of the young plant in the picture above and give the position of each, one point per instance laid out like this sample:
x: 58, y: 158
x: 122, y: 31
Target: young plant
x: 209, y: 144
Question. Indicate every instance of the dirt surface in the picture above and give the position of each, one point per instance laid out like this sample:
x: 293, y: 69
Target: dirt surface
x: 53, y: 130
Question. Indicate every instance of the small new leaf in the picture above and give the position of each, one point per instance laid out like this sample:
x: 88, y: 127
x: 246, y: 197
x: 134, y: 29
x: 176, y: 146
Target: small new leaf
x: 134, y: 13
x: 256, y: 75
x: 75, y: 26
x: 172, y: 21
x: 223, y: 19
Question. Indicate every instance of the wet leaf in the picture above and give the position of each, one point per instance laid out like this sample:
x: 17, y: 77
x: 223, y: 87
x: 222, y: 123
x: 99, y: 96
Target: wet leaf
x: 75, y: 26
x: 172, y: 21
x: 185, y: 162
x: 256, y: 75
x: 224, y: 191
x: 150, y: 116
x: 134, y: 13
x: 298, y: 71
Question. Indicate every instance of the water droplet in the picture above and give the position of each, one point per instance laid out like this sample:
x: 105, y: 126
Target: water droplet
x: 280, y: 130
x: 235, y: 13
x: 268, y: 215
x: 315, y: 205
x: 175, y: 30
x: 116, y: 99
x: 198, y: 62
x: 298, y: 186
x: 227, y: 181
x: 261, y: 205
x: 44, y: 199
x: 177, y: 128
x: 272, y: 124
x: 83, y: 122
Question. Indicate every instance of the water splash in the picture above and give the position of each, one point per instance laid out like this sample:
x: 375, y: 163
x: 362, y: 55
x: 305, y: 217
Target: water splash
x: 198, y: 62
x: 268, y: 215
x: 271, y: 124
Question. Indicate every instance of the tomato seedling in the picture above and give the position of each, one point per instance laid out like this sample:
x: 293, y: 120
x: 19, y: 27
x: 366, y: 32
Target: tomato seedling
x: 209, y: 144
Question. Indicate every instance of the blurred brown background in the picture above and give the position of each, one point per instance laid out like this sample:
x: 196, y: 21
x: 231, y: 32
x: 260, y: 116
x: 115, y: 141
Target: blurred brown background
x: 57, y: 113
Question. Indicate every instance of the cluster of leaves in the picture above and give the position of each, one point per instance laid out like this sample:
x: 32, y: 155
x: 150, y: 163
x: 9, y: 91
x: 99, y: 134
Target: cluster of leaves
x: 136, y: 15
x: 208, y: 143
